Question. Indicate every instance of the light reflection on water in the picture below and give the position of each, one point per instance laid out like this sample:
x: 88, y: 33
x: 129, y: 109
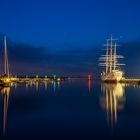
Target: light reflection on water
x: 89, y: 84
x: 111, y: 98
x: 5, y: 93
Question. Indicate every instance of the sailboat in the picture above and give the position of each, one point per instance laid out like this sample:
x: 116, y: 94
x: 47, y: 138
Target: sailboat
x: 5, y: 78
x: 112, y: 71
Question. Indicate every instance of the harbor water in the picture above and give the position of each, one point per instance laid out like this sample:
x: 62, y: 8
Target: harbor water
x: 71, y: 109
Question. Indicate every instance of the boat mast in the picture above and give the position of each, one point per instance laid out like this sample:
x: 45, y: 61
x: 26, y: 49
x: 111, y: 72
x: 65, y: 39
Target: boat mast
x: 115, y: 56
x: 110, y: 59
x: 110, y: 54
x: 6, y: 66
x: 107, y: 58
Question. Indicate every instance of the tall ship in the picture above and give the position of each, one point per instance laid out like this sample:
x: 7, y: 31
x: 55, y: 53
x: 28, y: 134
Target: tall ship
x: 112, y: 68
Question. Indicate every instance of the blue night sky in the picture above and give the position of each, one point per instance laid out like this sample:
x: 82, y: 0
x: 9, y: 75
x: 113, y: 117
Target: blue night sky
x: 65, y: 36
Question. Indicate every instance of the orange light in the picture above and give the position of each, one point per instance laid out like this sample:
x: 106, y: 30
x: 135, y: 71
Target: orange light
x: 58, y: 79
x: 7, y: 80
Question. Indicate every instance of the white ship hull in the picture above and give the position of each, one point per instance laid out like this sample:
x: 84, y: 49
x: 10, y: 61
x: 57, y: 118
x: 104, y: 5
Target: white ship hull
x: 114, y: 76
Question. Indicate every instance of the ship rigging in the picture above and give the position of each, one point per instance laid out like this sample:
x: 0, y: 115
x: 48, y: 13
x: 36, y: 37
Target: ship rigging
x: 112, y: 72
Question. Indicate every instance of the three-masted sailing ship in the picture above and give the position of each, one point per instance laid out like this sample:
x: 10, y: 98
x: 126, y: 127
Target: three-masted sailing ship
x: 112, y: 71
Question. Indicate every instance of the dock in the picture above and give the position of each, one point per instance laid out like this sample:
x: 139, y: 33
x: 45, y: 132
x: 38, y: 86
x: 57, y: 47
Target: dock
x: 130, y: 80
x: 36, y: 79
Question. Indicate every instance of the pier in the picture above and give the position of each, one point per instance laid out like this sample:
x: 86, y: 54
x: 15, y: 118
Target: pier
x: 36, y: 79
x: 130, y: 80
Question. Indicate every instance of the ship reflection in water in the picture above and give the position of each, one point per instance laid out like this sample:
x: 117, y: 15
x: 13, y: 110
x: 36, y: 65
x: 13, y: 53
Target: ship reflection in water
x: 112, y: 101
x: 5, y: 91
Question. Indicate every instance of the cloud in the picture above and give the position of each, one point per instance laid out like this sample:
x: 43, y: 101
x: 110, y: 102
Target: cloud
x: 131, y: 52
x: 31, y: 60
x: 26, y: 59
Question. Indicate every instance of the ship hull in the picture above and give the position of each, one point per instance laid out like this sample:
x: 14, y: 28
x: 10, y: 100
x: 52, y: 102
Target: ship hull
x: 112, y: 77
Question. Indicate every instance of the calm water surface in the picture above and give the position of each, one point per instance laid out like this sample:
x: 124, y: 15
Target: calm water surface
x: 74, y: 109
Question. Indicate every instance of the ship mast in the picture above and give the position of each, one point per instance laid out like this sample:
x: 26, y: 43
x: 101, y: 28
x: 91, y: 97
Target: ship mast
x: 110, y: 59
x: 6, y: 66
x: 110, y: 55
x: 115, y: 61
x: 107, y: 57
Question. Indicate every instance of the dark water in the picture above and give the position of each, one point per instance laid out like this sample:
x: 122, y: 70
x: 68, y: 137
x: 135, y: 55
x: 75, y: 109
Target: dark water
x: 76, y: 109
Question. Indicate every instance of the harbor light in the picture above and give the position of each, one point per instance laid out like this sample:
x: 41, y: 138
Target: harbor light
x: 89, y: 77
x: 7, y: 80
x: 58, y: 79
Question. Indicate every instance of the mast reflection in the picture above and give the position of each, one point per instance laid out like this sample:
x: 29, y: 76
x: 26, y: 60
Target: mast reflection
x: 5, y: 91
x: 112, y: 100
